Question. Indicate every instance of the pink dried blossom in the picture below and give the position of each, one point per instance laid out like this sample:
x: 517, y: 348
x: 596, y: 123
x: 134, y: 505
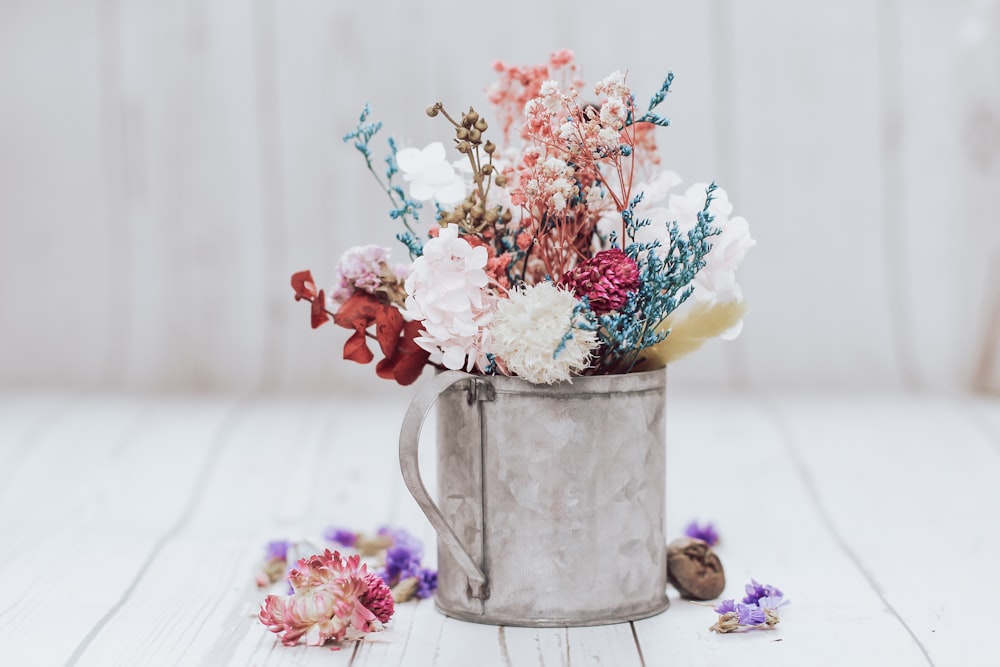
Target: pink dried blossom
x: 605, y: 279
x: 333, y: 597
x: 366, y: 268
x: 378, y: 599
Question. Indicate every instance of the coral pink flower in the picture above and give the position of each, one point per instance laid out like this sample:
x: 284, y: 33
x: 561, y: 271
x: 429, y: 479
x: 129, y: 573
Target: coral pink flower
x: 333, y: 597
x: 605, y: 279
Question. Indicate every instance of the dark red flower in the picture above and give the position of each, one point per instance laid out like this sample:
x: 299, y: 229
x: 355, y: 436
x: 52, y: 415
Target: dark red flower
x: 605, y: 279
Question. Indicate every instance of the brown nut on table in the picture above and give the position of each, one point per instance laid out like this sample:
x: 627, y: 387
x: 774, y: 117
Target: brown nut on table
x: 694, y: 569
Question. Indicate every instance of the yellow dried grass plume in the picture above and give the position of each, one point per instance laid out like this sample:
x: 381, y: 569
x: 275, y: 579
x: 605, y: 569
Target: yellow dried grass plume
x: 703, y: 322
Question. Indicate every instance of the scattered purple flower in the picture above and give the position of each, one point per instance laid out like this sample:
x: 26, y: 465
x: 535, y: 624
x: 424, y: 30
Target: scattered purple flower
x: 771, y: 602
x: 755, y: 591
x: 704, y: 533
x: 749, y: 614
x: 725, y: 607
x: 341, y: 536
x: 427, y: 583
x: 275, y: 563
x: 758, y: 610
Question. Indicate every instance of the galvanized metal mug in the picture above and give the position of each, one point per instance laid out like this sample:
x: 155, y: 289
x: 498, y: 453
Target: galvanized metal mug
x: 552, y: 497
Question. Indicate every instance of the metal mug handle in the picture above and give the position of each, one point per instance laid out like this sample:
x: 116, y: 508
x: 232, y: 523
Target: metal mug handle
x: 409, y: 441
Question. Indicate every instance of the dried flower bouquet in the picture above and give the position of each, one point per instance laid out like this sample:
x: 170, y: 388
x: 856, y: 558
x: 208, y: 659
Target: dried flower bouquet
x: 563, y: 251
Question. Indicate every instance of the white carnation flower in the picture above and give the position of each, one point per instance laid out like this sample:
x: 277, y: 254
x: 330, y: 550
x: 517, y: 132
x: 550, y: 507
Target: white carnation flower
x: 430, y: 175
x: 447, y: 291
x: 528, y: 329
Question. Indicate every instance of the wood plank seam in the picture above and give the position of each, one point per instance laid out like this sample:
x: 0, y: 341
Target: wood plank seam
x: 770, y: 408
x: 219, y: 440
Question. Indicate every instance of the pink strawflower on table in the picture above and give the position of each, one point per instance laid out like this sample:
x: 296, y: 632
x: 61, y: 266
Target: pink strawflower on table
x: 605, y: 279
x: 333, y: 597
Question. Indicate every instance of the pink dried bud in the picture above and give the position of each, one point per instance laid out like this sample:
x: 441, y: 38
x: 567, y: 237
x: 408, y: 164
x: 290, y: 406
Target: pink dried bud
x: 378, y: 598
x: 605, y: 279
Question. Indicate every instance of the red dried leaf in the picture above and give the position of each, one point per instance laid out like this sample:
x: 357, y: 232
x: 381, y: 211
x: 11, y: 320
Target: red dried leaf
x: 359, y: 310
x: 304, y: 285
x: 388, y: 325
x: 356, y: 348
x: 409, y: 359
x: 319, y: 314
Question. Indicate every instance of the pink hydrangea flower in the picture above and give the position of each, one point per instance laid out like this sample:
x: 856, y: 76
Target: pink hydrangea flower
x: 333, y: 597
x: 448, y: 293
x: 605, y: 279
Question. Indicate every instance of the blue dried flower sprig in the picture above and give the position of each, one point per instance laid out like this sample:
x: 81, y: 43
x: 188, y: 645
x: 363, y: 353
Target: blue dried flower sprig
x: 654, y: 101
x: 404, y: 208
x: 757, y: 611
x: 665, y: 283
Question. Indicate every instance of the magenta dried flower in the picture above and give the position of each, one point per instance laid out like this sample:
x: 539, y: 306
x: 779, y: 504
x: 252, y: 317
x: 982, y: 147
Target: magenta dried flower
x: 378, y: 598
x: 605, y: 279
x: 706, y: 533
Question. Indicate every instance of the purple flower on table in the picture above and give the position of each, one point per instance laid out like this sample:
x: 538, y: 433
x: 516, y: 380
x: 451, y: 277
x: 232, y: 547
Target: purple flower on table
x: 401, y: 539
x: 725, y: 607
x: 341, y: 536
x: 756, y: 591
x: 704, y: 533
x: 277, y: 550
x: 427, y: 582
x: 771, y: 602
x: 750, y: 614
x: 402, y: 559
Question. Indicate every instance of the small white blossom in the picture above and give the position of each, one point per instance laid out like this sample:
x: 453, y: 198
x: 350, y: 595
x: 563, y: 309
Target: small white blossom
x: 430, y: 175
x: 614, y: 112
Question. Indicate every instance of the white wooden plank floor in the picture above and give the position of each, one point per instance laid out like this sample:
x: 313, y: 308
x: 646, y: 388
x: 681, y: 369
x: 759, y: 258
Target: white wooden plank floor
x: 130, y: 529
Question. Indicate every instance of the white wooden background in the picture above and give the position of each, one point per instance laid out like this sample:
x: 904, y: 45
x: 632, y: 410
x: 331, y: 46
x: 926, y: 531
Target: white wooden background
x: 165, y: 166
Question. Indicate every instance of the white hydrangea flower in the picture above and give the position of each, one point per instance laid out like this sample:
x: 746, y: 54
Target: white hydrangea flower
x: 430, y: 175
x: 447, y: 291
x: 716, y: 282
x: 528, y: 328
